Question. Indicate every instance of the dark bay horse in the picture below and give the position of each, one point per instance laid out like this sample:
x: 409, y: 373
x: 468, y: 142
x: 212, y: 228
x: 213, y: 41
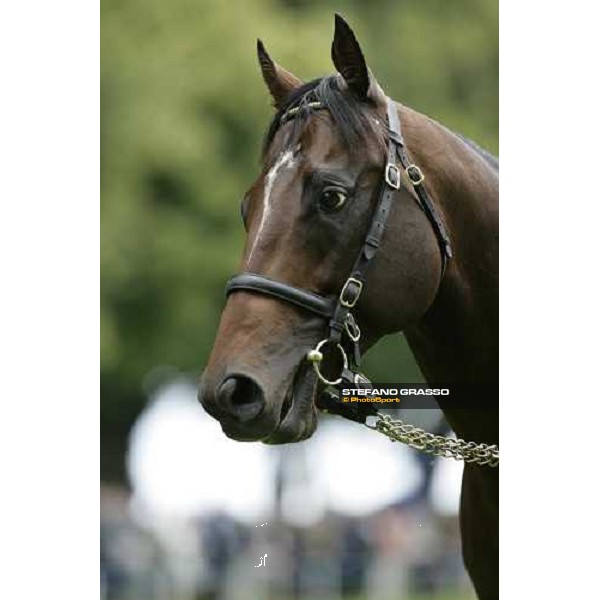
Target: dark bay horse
x: 306, y: 218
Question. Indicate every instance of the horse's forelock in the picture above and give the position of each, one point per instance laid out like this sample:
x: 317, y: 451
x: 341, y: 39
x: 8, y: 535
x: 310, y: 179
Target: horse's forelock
x: 349, y: 115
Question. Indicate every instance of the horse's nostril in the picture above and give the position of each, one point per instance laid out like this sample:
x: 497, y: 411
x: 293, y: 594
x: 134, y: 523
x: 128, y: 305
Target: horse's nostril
x: 241, y: 396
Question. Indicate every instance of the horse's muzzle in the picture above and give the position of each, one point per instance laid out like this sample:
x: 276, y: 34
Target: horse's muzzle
x: 238, y: 403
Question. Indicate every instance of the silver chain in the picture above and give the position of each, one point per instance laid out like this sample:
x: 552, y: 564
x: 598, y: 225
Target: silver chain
x: 436, y: 445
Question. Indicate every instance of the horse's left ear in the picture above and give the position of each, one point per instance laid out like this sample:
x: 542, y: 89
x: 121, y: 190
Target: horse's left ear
x: 279, y: 81
x: 350, y: 62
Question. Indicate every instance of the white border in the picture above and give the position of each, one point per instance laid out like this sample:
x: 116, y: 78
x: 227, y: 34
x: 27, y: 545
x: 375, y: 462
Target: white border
x: 549, y: 227
x: 49, y: 252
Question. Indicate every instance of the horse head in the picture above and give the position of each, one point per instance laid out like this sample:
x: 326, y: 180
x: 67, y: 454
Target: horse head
x: 306, y: 218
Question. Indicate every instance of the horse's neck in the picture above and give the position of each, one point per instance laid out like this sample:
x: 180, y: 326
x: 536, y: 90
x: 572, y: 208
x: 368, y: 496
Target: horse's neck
x: 457, y: 340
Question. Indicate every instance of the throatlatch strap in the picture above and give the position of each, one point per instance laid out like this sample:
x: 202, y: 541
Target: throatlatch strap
x: 416, y: 177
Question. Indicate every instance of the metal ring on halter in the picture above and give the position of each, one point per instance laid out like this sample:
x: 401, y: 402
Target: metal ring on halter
x: 315, y: 356
x: 352, y: 328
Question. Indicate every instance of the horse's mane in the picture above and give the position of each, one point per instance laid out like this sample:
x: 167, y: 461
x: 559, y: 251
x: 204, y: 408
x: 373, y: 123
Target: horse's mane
x: 349, y: 115
x: 489, y: 158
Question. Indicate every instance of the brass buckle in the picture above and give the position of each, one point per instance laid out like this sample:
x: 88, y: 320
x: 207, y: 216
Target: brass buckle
x: 353, y: 301
x: 392, y: 176
x: 420, y: 177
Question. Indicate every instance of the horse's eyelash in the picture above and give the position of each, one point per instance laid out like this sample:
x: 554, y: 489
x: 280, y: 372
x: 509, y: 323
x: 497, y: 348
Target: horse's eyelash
x: 321, y: 181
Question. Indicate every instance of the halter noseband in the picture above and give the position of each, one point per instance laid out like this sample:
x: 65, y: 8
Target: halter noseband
x: 338, y: 309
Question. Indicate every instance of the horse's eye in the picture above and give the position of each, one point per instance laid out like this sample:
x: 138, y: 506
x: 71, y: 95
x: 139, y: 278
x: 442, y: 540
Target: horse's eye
x: 332, y: 199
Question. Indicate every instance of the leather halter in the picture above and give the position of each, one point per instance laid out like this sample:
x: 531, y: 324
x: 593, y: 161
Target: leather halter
x: 338, y: 309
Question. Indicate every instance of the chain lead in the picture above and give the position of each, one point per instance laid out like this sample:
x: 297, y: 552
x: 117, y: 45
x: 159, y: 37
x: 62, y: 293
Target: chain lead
x: 436, y: 445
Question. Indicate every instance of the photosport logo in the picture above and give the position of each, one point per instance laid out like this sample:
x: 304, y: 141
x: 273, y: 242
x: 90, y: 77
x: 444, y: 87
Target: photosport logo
x: 420, y: 395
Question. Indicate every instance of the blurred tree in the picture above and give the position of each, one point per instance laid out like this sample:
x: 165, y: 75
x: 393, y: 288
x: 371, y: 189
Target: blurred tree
x: 184, y: 110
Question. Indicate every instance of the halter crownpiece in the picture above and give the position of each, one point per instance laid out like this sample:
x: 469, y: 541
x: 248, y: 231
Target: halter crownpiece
x: 342, y: 326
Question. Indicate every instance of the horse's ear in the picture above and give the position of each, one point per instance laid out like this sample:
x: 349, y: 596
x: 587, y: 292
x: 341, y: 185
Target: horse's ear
x: 279, y: 81
x: 348, y: 58
x: 350, y: 62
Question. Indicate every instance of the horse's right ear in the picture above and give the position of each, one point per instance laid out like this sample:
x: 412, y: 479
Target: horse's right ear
x: 279, y: 81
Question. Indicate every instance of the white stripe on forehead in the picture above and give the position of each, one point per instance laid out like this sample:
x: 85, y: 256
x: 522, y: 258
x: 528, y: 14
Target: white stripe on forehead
x: 285, y: 160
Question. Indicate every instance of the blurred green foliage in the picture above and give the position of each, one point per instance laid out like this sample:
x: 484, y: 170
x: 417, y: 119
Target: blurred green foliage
x: 184, y: 110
